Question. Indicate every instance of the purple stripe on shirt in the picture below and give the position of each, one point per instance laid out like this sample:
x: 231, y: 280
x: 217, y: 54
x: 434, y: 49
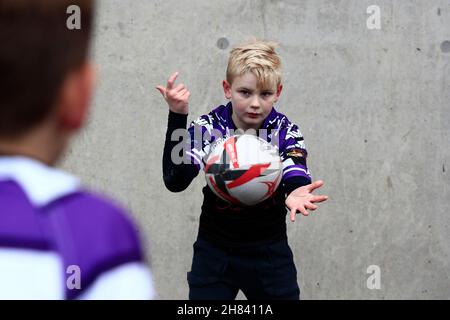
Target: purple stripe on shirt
x: 86, y: 230
x: 295, y: 173
x: 20, y: 227
x: 93, y: 234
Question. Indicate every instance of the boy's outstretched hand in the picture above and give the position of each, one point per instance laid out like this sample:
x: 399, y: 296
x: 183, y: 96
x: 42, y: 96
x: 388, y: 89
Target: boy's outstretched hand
x: 176, y: 97
x: 302, y: 199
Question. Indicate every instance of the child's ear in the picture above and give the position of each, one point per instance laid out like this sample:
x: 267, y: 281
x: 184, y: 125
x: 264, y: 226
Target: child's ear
x: 226, y: 89
x: 75, y: 97
x: 278, y: 93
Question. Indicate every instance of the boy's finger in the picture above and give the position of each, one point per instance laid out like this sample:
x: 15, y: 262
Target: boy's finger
x: 187, y: 95
x: 315, y: 185
x: 319, y: 198
x: 162, y: 90
x: 180, y: 94
x: 178, y: 88
x: 171, y: 80
x: 303, y: 211
x: 311, y: 206
x: 293, y: 212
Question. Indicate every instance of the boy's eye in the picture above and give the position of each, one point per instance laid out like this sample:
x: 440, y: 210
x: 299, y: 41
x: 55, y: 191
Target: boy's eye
x: 245, y: 92
x: 267, y: 94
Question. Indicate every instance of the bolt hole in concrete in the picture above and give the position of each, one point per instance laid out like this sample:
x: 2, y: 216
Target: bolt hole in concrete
x: 223, y: 43
x: 445, y: 46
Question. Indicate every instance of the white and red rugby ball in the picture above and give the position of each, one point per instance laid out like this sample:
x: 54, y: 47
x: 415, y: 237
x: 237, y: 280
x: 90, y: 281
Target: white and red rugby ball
x: 243, y: 169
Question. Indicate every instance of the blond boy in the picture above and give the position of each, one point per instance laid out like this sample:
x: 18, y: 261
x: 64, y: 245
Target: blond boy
x: 242, y: 248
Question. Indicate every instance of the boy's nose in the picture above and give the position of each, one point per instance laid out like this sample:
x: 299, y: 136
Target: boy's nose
x: 255, y: 103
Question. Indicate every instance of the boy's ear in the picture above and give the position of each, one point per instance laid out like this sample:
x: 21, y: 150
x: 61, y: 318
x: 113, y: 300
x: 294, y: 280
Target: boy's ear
x: 75, y: 97
x: 226, y: 89
x: 279, y: 89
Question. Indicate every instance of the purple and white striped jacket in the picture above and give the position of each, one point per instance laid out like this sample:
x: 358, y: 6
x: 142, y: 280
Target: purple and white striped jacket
x: 59, y: 241
x: 290, y: 140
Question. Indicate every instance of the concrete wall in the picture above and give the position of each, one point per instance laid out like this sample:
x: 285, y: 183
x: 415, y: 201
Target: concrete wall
x: 373, y: 106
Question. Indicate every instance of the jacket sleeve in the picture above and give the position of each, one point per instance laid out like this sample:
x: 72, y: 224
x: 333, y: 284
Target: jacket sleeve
x: 293, y: 154
x: 178, y: 169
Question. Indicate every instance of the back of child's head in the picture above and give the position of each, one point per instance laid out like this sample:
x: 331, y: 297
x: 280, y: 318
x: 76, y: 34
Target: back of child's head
x: 37, y: 52
x: 258, y: 57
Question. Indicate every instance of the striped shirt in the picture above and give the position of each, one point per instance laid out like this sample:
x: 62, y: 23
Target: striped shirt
x: 59, y: 241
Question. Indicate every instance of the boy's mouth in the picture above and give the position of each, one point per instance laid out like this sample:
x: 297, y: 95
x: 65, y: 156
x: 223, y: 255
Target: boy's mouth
x: 253, y: 115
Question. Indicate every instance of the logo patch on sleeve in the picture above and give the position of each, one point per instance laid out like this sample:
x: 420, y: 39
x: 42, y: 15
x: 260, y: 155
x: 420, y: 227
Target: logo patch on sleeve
x: 298, y: 153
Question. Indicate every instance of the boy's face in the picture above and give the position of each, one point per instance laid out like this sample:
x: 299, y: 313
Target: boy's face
x: 251, y: 104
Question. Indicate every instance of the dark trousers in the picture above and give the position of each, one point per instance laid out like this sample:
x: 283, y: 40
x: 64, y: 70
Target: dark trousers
x: 262, y: 272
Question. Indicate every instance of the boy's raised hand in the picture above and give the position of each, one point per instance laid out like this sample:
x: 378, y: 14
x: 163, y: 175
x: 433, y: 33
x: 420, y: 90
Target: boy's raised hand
x: 302, y: 199
x: 176, y: 97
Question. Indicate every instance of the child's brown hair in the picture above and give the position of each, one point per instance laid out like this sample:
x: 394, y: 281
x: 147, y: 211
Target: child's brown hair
x: 37, y: 51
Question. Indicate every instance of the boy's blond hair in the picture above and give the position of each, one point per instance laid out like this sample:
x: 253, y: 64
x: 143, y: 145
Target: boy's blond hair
x: 258, y: 57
